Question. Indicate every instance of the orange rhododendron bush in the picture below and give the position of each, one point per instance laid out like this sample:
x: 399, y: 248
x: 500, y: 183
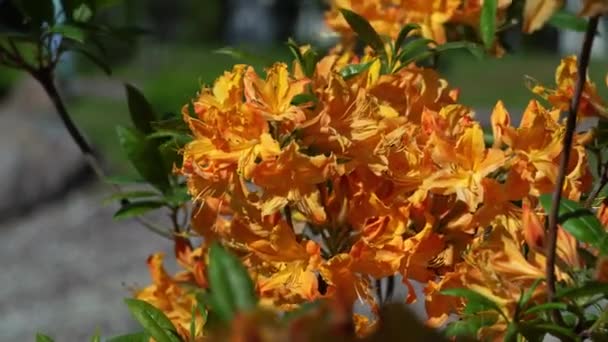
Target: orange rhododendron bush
x: 329, y: 174
x: 318, y: 186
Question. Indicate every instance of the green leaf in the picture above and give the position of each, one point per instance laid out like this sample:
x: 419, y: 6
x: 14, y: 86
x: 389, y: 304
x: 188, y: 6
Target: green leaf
x: 43, y: 338
x: 134, y: 337
x: 145, y: 157
x: 231, y: 287
x: 133, y: 209
x: 546, y: 307
x: 527, y: 295
x: 487, y: 23
x: 165, y: 133
x: 566, y: 20
x: 82, y: 13
x: 302, y: 99
x: 511, y: 334
x: 364, y: 30
x: 468, y: 326
x: 403, y: 34
x: 579, y: 221
x: 461, y: 328
x: 590, y: 289
x: 68, y: 31
x: 353, y: 70
x: 124, y: 180
x: 295, y: 51
x: 178, y: 196
x: 414, y: 48
x: 544, y: 328
x: 96, y: 337
x: 477, y: 301
x: 38, y: 11
x: 310, y: 58
x: 169, y: 152
x: 153, y: 321
x: 193, y: 324
x: 473, y: 48
x: 140, y: 109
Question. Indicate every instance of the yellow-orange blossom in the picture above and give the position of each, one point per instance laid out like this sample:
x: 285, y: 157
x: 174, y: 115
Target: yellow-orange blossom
x: 381, y: 174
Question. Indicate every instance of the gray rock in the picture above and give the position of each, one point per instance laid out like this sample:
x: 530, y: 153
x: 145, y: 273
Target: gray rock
x: 38, y: 159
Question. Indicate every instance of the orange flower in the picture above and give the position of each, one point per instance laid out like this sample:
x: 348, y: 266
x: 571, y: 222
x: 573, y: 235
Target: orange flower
x: 463, y: 166
x: 169, y: 296
x: 272, y: 98
x: 566, y: 77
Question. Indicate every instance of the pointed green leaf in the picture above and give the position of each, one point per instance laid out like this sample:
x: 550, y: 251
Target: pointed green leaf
x: 414, y: 48
x: 364, y: 30
x: 295, y: 51
x: 133, y: 209
x: 68, y: 31
x: 145, y: 157
x: 153, y: 321
x: 231, y: 287
x: 511, y: 334
x: 527, y: 294
x: 43, y: 338
x: 544, y: 328
x: 405, y: 31
x: 590, y: 289
x: 487, y: 23
x: 566, y: 20
x: 473, y: 48
x: 545, y: 307
x: 310, y: 58
x: 353, y: 70
x: 131, y: 179
x: 178, y: 196
x: 302, y: 99
x: 140, y: 109
x: 579, y: 221
x: 461, y: 328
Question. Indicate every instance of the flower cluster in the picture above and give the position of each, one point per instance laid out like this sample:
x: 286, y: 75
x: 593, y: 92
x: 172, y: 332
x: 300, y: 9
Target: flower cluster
x: 388, y: 17
x: 322, y: 184
x: 324, y: 180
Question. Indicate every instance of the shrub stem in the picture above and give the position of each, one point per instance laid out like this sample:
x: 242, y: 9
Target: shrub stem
x: 583, y: 63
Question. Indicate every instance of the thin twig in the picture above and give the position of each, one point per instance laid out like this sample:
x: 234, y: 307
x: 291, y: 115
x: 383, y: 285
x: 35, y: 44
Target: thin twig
x: 45, y: 77
x: 598, y: 188
x: 583, y: 63
x: 174, y: 216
